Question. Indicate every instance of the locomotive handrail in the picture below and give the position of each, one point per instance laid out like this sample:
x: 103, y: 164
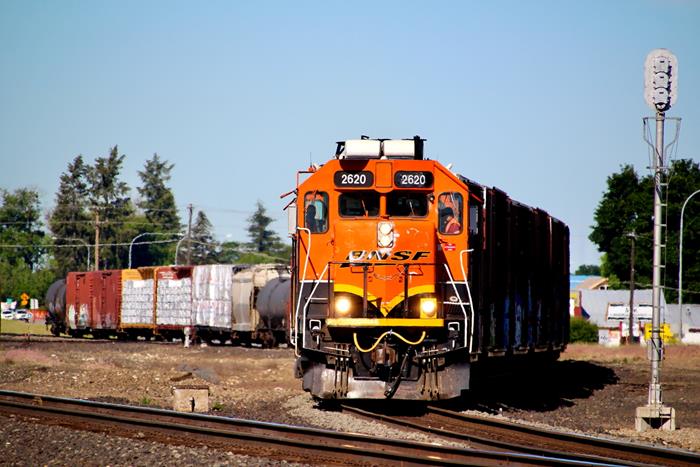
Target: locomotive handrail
x: 461, y: 303
x: 306, y: 305
x: 293, y: 334
x: 469, y: 293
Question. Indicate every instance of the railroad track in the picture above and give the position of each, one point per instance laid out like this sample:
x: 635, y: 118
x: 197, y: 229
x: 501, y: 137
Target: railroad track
x: 44, y: 338
x: 268, y: 440
x: 489, y: 433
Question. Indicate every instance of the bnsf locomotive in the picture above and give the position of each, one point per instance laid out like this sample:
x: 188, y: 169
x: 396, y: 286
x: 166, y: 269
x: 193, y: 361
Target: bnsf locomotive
x: 405, y: 275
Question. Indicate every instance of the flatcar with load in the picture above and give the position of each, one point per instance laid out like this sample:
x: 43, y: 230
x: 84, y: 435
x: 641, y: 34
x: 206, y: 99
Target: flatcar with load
x: 405, y: 275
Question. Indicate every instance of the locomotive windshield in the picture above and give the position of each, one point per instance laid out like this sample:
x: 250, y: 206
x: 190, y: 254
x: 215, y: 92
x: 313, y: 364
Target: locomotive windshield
x: 359, y: 204
x: 407, y: 204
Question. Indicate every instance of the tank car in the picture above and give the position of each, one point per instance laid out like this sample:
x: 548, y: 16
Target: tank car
x: 55, y: 299
x: 405, y: 274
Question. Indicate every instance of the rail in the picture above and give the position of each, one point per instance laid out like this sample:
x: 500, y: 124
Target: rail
x: 497, y: 434
x: 311, y: 445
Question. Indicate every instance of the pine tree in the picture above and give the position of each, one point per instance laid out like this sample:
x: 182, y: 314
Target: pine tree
x: 204, y: 249
x: 158, y: 205
x: 70, y: 222
x: 109, y: 198
x: 263, y: 240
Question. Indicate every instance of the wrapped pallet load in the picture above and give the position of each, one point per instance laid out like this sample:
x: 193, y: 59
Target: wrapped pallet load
x: 173, y: 300
x: 137, y: 303
x: 211, y: 300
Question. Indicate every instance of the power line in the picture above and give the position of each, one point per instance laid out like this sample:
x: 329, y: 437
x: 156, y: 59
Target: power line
x: 82, y: 245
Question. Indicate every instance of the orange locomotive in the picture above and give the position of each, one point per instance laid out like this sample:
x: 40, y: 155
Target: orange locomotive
x: 406, y: 273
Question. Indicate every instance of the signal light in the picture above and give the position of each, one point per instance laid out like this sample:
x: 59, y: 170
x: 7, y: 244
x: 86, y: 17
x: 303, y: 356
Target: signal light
x: 660, y: 79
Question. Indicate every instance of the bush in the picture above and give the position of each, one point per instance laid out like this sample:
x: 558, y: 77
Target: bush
x: 583, y: 330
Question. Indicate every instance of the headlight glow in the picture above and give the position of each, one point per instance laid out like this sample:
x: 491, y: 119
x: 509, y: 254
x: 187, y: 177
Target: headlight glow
x: 342, y: 305
x: 428, y: 307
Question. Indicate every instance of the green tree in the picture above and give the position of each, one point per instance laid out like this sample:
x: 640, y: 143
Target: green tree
x: 204, y: 249
x: 21, y: 231
x: 19, y: 278
x: 262, y: 239
x: 158, y: 205
x: 70, y: 222
x: 109, y: 198
x: 627, y: 207
x: 230, y: 252
x: 588, y: 270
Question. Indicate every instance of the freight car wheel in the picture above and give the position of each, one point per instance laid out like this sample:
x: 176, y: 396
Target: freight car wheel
x: 267, y: 339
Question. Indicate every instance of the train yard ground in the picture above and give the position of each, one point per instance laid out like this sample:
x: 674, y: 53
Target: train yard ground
x: 591, y: 390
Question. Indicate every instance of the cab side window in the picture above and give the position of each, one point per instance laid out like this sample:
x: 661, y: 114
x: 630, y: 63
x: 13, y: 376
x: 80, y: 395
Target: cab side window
x: 450, y: 213
x: 316, y: 211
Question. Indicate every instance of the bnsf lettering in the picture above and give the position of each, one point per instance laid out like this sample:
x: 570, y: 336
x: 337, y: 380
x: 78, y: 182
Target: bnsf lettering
x: 377, y: 255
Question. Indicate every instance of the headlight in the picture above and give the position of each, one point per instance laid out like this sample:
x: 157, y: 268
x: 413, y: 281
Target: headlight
x: 428, y: 307
x: 385, y: 234
x: 342, y: 306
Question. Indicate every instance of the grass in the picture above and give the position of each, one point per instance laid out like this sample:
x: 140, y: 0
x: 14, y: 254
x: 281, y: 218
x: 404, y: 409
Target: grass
x: 145, y: 400
x: 11, y: 326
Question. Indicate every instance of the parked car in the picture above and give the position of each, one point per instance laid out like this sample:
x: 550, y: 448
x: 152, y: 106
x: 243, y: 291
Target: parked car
x: 8, y: 314
x: 24, y: 315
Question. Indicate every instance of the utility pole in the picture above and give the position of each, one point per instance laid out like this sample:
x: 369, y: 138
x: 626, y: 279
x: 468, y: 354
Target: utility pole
x: 189, y: 234
x: 633, y: 236
x: 97, y: 240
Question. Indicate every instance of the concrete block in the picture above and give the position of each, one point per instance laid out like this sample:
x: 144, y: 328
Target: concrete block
x: 191, y: 398
x: 656, y: 417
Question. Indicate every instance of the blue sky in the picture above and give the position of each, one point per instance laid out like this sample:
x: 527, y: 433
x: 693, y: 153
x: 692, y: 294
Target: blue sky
x: 542, y: 99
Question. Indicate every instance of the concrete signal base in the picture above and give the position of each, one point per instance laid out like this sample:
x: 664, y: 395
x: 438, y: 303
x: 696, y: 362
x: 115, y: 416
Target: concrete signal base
x: 191, y: 398
x: 656, y: 417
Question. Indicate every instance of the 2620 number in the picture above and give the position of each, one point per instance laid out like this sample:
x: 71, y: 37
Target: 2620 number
x: 361, y: 178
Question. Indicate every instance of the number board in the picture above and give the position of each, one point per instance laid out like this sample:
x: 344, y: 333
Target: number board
x: 413, y: 179
x: 360, y: 179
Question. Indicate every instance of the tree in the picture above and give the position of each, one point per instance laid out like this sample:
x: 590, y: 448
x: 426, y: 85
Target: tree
x: 20, y: 227
x: 109, y: 198
x: 627, y: 207
x: 204, y: 248
x: 588, y: 270
x: 70, y: 222
x: 263, y: 240
x: 158, y: 205
x: 19, y: 278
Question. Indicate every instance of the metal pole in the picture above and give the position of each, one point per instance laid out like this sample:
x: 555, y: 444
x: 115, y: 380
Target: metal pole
x: 189, y: 233
x: 656, y: 344
x: 631, y: 339
x: 680, y: 265
x: 177, y: 248
x: 97, y: 240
